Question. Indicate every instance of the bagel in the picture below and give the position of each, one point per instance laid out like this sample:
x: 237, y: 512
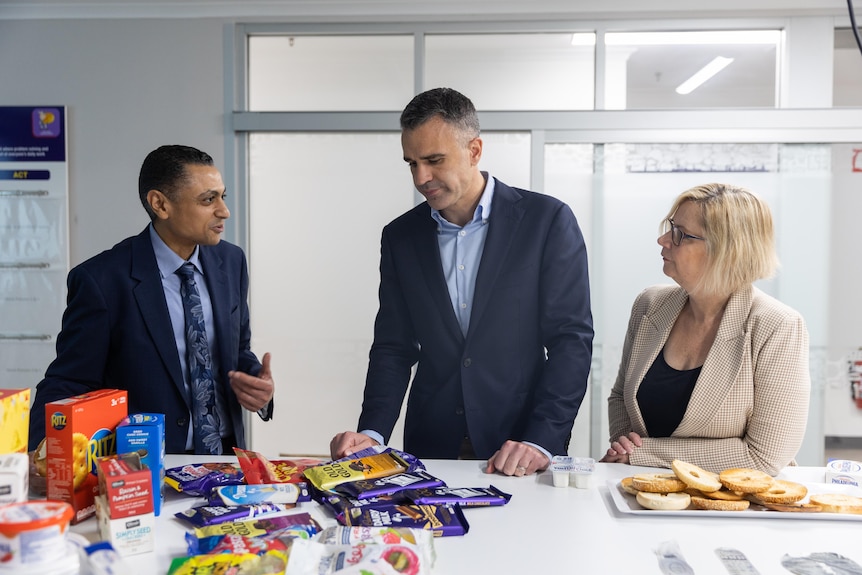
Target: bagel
x: 724, y: 495
x: 719, y: 504
x: 658, y: 483
x: 694, y: 476
x: 626, y: 484
x: 837, y: 503
x: 664, y: 501
x: 745, y: 480
x: 40, y: 459
x: 782, y: 491
x: 791, y: 507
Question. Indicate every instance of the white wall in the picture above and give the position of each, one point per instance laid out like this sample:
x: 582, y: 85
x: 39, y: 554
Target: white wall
x: 129, y: 87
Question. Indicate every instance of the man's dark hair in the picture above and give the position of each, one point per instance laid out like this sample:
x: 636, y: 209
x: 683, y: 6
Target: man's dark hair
x: 164, y: 168
x: 451, y: 106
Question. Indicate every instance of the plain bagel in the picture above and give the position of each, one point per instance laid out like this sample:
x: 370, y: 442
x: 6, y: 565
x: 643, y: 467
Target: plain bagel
x: 837, y: 502
x: 664, y: 501
x: 694, y: 476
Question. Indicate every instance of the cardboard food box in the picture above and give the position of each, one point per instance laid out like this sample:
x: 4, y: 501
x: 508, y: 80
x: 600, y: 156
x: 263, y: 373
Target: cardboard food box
x: 14, y: 478
x: 79, y: 430
x: 129, y: 535
x: 14, y: 420
x: 144, y: 434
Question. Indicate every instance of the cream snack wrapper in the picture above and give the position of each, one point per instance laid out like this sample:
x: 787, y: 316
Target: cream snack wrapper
x: 327, y: 476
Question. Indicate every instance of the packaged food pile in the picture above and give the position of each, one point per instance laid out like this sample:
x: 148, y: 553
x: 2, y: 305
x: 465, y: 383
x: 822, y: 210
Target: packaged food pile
x: 388, y: 507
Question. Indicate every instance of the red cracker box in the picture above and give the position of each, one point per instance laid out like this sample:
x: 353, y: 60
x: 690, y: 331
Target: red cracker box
x: 79, y: 430
x: 126, y: 485
x: 144, y: 434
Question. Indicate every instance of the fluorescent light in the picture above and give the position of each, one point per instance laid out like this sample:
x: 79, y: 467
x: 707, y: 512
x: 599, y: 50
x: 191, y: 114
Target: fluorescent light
x: 584, y: 39
x: 704, y: 74
x: 689, y: 38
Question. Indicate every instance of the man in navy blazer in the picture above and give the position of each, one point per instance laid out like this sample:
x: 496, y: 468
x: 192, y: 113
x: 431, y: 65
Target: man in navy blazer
x: 123, y: 325
x: 485, y: 286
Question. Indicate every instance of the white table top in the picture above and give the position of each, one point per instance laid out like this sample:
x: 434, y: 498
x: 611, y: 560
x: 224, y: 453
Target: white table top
x: 547, y: 529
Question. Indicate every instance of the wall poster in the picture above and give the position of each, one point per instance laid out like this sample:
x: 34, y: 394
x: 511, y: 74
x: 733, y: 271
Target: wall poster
x: 34, y: 244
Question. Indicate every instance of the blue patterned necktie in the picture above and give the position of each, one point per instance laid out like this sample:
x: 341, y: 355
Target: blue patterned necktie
x: 205, y: 419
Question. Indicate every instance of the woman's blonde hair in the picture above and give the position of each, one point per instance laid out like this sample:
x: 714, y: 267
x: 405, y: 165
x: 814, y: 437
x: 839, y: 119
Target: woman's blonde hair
x: 740, y: 243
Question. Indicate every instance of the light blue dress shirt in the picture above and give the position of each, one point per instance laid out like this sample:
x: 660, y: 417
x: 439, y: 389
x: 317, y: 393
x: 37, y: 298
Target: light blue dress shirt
x: 169, y: 262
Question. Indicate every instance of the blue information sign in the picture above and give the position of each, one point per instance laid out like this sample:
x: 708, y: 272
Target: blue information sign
x: 32, y: 134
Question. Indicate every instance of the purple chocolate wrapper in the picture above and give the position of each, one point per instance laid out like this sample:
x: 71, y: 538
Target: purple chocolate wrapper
x: 413, y: 462
x: 204, y: 515
x: 442, y: 520
x: 339, y: 505
x: 365, y: 488
x: 467, y: 496
x: 199, y: 478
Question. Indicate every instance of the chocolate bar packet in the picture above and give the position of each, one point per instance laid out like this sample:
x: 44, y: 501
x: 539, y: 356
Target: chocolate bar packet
x: 204, y: 515
x: 365, y: 488
x: 441, y: 520
x: 327, y: 476
x: 466, y: 496
x: 340, y: 505
x: 197, y: 479
x: 262, y: 526
x: 229, y: 495
x: 413, y: 463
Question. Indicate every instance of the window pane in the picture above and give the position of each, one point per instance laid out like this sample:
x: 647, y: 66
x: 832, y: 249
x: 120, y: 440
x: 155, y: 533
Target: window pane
x: 333, y: 73
x: 846, y: 79
x: 647, y: 70
x: 513, y: 71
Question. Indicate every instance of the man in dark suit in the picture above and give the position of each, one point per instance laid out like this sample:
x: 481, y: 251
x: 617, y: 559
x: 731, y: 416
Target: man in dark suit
x: 486, y: 287
x: 124, y: 328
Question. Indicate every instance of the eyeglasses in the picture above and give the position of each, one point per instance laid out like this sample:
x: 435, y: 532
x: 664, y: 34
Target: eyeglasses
x: 677, y: 235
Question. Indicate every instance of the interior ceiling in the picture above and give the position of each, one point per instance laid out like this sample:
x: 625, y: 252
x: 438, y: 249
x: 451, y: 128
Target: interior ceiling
x: 389, y: 10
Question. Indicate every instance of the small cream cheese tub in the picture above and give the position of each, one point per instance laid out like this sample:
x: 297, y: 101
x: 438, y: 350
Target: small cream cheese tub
x: 33, y: 534
x: 561, y: 467
x: 582, y: 471
x: 844, y: 472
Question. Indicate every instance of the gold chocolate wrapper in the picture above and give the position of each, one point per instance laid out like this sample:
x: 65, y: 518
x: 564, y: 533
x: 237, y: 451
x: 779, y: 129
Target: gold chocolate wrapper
x: 325, y: 477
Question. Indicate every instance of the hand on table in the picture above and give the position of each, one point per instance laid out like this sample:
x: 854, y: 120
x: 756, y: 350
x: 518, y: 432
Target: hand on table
x: 253, y: 393
x: 348, y: 443
x: 518, y: 459
x: 620, y: 449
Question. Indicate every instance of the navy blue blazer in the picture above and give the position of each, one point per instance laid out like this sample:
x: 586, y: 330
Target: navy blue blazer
x: 116, y: 334
x: 521, y: 371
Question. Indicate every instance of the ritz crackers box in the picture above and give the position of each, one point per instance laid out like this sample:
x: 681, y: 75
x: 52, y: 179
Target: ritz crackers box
x: 14, y: 420
x: 79, y: 430
x: 144, y: 433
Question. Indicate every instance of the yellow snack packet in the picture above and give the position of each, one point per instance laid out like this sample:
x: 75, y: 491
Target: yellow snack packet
x: 327, y: 476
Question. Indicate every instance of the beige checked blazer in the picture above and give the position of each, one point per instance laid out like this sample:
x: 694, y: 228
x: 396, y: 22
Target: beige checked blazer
x: 749, y: 406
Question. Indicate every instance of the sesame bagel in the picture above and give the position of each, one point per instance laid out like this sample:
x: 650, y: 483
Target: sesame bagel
x: 782, y: 491
x: 719, y: 504
x: 694, y: 476
x: 664, y: 501
x: 745, y: 480
x: 658, y: 483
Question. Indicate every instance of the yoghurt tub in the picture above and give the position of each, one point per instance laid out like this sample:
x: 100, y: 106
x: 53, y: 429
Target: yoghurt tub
x: 33, y: 534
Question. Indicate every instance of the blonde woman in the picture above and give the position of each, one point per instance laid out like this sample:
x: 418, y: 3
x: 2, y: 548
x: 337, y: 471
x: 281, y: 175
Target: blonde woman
x: 714, y: 371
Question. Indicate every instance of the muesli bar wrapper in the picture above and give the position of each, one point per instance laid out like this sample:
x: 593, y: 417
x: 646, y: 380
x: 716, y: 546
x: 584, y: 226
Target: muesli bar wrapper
x: 441, y: 520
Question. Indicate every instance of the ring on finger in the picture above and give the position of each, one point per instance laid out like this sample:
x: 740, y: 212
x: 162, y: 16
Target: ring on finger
x: 521, y: 468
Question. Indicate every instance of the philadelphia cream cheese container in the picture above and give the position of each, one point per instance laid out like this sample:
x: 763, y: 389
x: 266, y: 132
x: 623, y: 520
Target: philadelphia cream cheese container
x: 844, y: 472
x: 33, y: 535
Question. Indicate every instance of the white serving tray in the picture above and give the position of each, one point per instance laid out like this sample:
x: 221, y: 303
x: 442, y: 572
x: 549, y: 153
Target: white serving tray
x: 627, y: 503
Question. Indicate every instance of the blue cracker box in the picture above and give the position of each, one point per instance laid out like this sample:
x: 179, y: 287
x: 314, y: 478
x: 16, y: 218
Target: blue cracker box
x: 144, y: 433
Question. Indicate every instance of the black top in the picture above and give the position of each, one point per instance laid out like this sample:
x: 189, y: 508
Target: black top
x: 663, y: 396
